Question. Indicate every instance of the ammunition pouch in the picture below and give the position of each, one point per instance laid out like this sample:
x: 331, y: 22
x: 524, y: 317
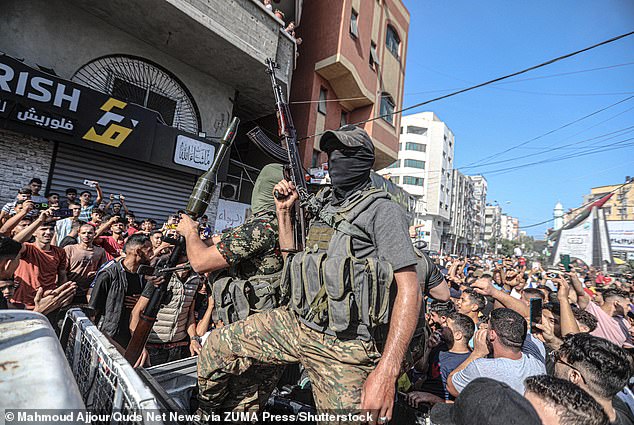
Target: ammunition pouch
x: 339, y: 293
x: 236, y: 299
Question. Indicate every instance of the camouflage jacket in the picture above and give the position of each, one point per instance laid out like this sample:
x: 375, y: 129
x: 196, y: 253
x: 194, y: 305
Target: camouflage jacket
x: 253, y: 247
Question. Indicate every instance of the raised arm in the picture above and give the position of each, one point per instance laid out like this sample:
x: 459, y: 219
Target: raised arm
x: 27, y: 232
x: 99, y: 194
x: 567, y: 319
x: 484, y: 286
x: 10, y: 224
x: 284, y: 215
x: 582, y: 297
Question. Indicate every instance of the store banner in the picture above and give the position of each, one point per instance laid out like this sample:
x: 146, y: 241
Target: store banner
x: 621, y: 235
x: 46, y: 106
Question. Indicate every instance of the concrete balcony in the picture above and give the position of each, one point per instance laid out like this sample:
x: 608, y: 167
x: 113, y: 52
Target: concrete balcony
x: 227, y: 39
x: 345, y: 81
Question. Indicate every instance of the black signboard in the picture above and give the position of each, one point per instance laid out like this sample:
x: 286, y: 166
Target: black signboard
x: 46, y: 106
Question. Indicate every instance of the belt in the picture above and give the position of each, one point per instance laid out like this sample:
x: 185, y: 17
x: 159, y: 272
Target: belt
x: 168, y: 345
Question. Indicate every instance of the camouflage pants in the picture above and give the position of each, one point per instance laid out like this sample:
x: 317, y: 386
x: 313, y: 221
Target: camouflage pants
x: 234, y: 368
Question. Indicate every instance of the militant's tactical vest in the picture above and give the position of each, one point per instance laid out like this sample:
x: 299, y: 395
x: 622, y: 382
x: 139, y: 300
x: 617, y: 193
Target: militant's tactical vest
x: 171, y: 320
x: 330, y: 288
x: 236, y: 299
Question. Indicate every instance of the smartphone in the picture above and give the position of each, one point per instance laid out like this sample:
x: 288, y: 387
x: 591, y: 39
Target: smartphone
x: 90, y: 183
x: 535, y: 313
x: 565, y: 261
x: 63, y: 213
x: 40, y: 206
x: 145, y: 270
x: 499, y: 261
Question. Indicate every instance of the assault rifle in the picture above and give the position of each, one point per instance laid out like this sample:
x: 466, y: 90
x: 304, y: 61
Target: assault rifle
x: 198, y: 203
x: 293, y: 169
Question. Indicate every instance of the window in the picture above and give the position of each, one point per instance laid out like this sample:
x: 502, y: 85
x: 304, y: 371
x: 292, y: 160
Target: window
x: 395, y: 164
x: 412, y: 129
x: 414, y: 163
x: 401, y: 129
x: 395, y: 179
x: 415, y: 181
x: 344, y: 118
x: 354, y: 25
x: 418, y: 147
x: 132, y: 93
x: 387, y: 108
x: 321, y: 105
x: 392, y: 41
x: 400, y: 146
x: 374, y: 59
x: 315, y: 159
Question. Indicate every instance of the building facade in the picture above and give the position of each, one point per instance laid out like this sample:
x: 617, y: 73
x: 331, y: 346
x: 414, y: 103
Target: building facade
x: 479, y: 205
x: 147, y: 95
x: 493, y: 226
x: 509, y: 227
x: 462, y: 235
x: 350, y: 68
x: 620, y: 207
x: 424, y: 169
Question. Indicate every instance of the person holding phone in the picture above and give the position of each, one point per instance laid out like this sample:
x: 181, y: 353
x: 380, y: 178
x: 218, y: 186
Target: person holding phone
x: 87, y: 205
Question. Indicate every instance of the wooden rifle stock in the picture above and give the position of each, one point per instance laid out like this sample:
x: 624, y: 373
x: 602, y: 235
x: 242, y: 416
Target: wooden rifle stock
x: 148, y: 316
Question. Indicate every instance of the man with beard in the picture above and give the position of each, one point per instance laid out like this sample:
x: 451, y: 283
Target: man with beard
x: 328, y: 325
x: 117, y: 289
x: 512, y: 362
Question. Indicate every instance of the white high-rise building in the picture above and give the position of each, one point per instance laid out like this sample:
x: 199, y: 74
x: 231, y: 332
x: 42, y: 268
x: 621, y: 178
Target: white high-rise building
x: 424, y: 169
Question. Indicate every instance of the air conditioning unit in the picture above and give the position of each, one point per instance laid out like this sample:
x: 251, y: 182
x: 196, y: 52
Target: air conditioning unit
x: 229, y: 191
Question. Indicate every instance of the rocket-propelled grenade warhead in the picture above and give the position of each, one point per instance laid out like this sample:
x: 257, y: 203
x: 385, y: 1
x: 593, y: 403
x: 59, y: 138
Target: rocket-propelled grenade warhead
x: 204, y: 189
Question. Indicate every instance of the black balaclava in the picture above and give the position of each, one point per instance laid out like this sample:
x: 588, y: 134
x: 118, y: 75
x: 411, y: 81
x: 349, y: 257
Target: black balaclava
x: 350, y: 158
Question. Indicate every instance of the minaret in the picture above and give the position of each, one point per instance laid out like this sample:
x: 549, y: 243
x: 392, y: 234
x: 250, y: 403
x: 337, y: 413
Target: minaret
x: 558, y: 215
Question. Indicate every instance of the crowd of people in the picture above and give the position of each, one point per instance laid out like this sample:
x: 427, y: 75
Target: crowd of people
x: 573, y: 365
x: 485, y: 356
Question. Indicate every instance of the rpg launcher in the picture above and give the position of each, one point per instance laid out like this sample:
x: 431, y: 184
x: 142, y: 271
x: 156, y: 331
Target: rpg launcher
x: 293, y: 169
x: 197, y: 205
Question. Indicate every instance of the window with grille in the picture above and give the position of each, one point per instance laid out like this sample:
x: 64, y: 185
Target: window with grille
x: 387, y: 108
x: 137, y: 80
x: 354, y: 23
x: 412, y: 129
x: 418, y: 147
x: 323, y: 96
x: 414, y: 163
x: 414, y: 181
x: 392, y: 41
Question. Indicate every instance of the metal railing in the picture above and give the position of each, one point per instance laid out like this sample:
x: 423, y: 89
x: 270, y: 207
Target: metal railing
x: 106, y: 381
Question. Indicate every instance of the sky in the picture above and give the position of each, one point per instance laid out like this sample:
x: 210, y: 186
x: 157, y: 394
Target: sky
x: 459, y: 43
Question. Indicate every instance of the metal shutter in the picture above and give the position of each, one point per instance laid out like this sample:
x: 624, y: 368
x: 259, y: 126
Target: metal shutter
x: 150, y: 191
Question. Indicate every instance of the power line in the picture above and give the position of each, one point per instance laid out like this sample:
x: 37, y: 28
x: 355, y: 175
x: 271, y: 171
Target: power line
x: 582, y: 206
x: 486, y: 83
x: 495, y: 155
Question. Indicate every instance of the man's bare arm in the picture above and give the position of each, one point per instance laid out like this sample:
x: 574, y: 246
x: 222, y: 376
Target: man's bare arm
x: 378, y: 390
x: 440, y: 292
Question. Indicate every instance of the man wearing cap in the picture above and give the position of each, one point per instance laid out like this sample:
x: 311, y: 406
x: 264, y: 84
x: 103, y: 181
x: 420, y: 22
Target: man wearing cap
x: 335, y: 308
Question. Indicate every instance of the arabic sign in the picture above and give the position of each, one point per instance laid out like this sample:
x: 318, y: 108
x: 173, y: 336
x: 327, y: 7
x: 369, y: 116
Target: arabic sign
x: 46, y: 106
x: 193, y: 153
x: 578, y: 241
x: 230, y: 214
x: 621, y: 235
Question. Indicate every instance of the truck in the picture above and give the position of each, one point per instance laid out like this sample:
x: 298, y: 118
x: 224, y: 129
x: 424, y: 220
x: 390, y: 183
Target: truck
x: 82, y: 374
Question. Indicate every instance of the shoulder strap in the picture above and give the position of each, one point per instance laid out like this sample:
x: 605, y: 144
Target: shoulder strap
x: 341, y: 220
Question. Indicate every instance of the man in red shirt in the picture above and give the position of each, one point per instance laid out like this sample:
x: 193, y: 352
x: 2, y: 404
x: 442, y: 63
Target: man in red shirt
x: 40, y: 263
x: 113, y: 244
